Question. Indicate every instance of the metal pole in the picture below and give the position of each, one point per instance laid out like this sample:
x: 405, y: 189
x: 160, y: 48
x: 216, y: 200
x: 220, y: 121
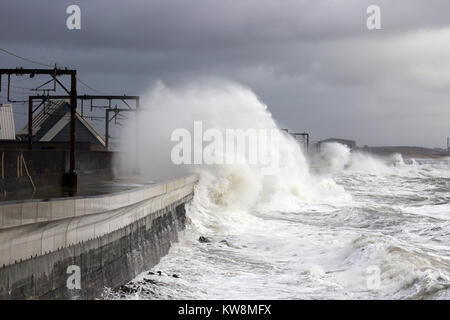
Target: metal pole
x: 307, y: 141
x: 73, y: 108
x: 106, y: 129
x: 30, y: 123
x: 9, y: 80
x: 137, y: 134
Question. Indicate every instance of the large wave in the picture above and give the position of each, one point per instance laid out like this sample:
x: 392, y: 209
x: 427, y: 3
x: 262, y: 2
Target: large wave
x: 226, y: 194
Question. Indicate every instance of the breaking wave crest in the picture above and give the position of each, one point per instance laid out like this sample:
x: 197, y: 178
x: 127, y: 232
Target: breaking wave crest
x: 227, y: 191
x: 334, y: 157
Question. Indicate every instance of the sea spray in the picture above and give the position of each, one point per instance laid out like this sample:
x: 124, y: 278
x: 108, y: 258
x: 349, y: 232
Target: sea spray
x: 226, y: 190
x: 334, y: 157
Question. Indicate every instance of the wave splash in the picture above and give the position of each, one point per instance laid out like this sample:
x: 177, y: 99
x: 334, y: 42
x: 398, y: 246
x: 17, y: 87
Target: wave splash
x: 334, y: 158
x: 227, y: 191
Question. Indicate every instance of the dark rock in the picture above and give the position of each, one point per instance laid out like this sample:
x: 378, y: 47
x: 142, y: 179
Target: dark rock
x: 225, y: 242
x: 150, y: 273
x: 150, y: 281
x: 159, y: 273
x: 203, y: 239
x: 127, y: 289
x: 175, y: 276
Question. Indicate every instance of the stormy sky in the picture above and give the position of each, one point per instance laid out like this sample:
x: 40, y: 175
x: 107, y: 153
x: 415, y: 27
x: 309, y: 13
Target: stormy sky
x: 313, y: 62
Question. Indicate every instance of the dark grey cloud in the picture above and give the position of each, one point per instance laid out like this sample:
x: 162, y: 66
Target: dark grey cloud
x: 313, y: 62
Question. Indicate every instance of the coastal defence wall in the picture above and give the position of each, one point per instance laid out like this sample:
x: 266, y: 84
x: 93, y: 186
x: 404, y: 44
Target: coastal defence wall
x: 109, y: 238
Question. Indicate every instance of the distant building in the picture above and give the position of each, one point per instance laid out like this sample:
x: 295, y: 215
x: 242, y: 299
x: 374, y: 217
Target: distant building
x: 349, y: 143
x: 52, y: 124
x: 7, y: 130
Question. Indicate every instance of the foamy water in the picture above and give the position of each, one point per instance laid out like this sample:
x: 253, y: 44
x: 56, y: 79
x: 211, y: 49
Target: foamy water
x: 336, y: 224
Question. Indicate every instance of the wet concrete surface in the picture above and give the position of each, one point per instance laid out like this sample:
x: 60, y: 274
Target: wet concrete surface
x: 92, y: 189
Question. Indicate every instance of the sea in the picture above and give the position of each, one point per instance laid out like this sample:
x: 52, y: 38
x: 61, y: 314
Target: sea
x: 331, y: 223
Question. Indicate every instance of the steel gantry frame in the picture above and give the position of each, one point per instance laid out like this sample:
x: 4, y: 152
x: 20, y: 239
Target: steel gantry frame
x: 305, y: 136
x: 71, y: 176
x: 108, y: 120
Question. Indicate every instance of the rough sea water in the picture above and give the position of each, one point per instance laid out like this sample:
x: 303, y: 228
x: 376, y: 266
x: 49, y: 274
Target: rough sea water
x: 331, y: 225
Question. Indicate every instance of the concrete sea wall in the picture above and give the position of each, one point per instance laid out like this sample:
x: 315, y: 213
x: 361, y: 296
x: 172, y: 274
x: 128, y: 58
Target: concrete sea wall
x: 110, y: 238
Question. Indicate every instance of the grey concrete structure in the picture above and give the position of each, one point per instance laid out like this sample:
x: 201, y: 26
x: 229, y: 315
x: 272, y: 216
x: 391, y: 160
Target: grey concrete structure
x: 110, y: 238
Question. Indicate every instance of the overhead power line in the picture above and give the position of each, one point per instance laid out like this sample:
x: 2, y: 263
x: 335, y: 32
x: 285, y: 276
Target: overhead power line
x: 87, y: 86
x: 25, y: 59
x: 47, y: 65
x: 5, y: 85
